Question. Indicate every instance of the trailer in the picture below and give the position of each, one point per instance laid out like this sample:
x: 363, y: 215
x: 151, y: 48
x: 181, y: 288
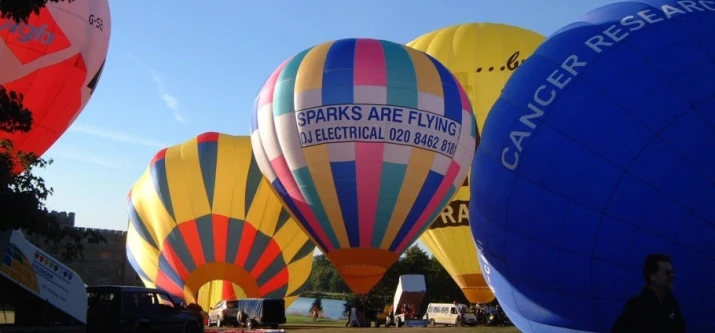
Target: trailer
x: 410, y: 291
x: 39, y: 293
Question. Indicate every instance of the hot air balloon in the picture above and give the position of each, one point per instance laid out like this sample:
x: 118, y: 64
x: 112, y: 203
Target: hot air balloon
x: 55, y: 60
x: 482, y: 57
x: 203, y: 212
x: 365, y: 141
x: 596, y: 155
x: 450, y: 241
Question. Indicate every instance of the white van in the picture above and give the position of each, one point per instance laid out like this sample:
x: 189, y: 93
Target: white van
x: 446, y: 314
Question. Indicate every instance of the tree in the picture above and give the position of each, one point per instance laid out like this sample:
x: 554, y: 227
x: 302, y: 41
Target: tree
x: 20, y: 10
x: 22, y: 195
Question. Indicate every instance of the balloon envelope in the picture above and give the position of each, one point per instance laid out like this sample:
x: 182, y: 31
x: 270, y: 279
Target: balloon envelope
x: 215, y: 291
x: 450, y: 241
x: 55, y: 60
x: 203, y: 212
x: 365, y: 141
x: 482, y: 57
x: 598, y: 153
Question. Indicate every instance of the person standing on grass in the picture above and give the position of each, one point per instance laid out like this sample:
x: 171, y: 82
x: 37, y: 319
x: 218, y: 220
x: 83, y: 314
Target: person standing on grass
x: 655, y: 309
x: 352, y: 318
x: 316, y: 312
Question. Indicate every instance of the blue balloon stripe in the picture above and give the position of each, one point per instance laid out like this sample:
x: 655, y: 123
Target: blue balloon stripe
x: 445, y: 201
x: 290, y: 204
x: 161, y: 185
x: 427, y: 192
x: 339, y: 73
x: 169, y: 271
x: 177, y: 242
x: 208, y: 154
x: 344, y: 176
x: 450, y: 88
x: 139, y: 225
x: 305, y: 182
x: 387, y: 199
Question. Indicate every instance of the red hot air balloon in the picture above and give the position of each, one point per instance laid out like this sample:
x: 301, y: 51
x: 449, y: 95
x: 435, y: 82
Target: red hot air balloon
x: 55, y: 61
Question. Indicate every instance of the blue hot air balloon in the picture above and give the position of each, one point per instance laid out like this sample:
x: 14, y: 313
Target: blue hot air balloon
x: 600, y: 151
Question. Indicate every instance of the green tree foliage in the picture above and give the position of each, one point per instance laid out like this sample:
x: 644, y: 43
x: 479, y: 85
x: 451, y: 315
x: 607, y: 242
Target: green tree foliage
x: 22, y: 196
x: 325, y: 278
x: 441, y: 288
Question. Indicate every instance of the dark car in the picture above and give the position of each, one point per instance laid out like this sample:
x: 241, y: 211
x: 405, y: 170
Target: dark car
x: 137, y: 309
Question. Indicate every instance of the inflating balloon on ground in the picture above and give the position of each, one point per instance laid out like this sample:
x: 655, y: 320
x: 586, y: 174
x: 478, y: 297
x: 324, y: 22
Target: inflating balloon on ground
x: 365, y: 142
x: 599, y: 152
x: 482, y: 57
x: 54, y: 60
x: 202, y: 213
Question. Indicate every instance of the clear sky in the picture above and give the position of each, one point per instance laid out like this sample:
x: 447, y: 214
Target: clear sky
x: 178, y: 68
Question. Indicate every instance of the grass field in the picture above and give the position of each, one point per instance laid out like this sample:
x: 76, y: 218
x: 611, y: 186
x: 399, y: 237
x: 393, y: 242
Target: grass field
x: 298, y: 323
x: 436, y: 329
x: 303, y: 324
x: 293, y: 319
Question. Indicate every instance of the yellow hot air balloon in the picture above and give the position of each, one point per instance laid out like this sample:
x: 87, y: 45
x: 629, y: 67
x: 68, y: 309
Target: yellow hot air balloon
x: 202, y: 213
x: 482, y: 57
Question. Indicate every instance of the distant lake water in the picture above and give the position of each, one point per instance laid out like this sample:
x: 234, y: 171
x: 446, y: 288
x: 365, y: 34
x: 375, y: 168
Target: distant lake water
x: 331, y: 308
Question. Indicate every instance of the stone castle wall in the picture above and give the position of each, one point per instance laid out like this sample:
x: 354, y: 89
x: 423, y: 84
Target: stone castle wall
x: 103, y: 263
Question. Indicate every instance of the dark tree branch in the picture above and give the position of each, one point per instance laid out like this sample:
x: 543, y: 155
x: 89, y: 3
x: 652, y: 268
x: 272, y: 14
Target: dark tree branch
x: 20, y: 10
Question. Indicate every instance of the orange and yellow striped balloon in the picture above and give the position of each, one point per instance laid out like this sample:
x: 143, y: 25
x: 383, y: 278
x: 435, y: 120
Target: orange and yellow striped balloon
x: 203, y: 212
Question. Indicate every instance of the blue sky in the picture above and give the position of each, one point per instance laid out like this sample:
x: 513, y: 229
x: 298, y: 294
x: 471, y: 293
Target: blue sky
x: 178, y: 68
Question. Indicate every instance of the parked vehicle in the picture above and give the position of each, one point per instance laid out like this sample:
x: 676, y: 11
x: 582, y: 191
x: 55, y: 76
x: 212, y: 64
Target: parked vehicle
x: 224, y: 313
x: 137, y: 309
x: 258, y: 312
x: 446, y: 314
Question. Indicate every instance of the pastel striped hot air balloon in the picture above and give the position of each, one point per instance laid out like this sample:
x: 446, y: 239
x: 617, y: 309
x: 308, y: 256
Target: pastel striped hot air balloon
x: 365, y: 141
x: 203, y: 213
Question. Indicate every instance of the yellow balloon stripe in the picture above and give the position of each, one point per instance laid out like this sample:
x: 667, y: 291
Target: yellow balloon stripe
x: 430, y: 81
x: 290, y: 238
x: 183, y: 173
x: 150, y: 208
x: 418, y: 167
x: 298, y: 274
x: 266, y: 219
x: 318, y: 160
x: 310, y: 72
x: 227, y: 189
x: 240, y: 178
x: 142, y: 252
